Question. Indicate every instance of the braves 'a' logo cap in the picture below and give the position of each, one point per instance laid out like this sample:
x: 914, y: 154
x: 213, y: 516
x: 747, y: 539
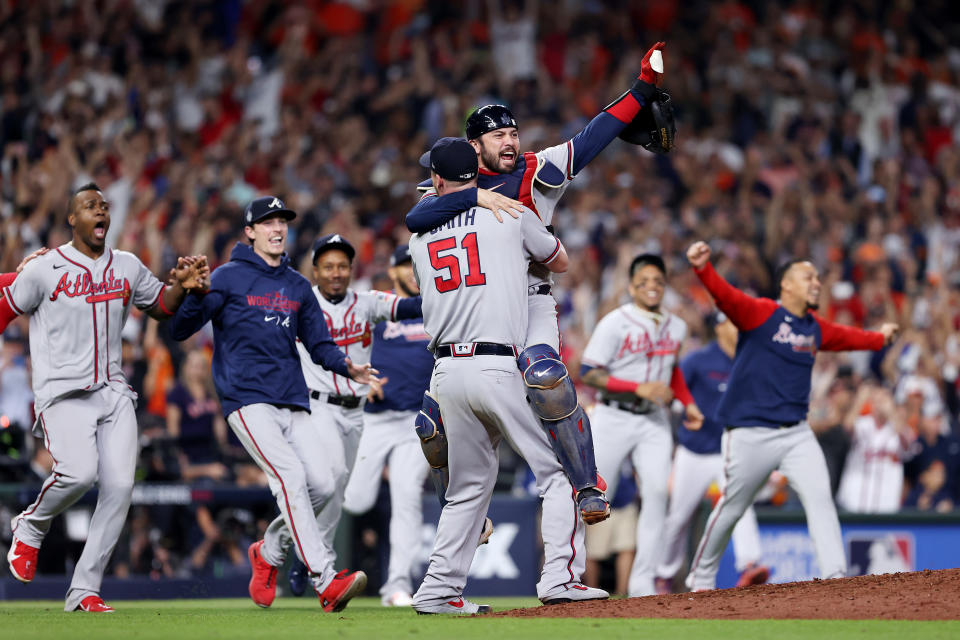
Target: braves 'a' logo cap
x: 488, y: 118
x: 332, y: 241
x: 260, y: 208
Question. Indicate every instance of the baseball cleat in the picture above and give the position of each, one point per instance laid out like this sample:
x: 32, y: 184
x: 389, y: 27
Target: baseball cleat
x: 663, y: 586
x: 263, y: 582
x: 297, y: 577
x: 94, y: 604
x: 574, y: 592
x: 593, y: 505
x: 22, y: 559
x: 456, y: 606
x: 344, y: 587
x: 397, y: 599
x: 485, y: 531
x: 754, y: 574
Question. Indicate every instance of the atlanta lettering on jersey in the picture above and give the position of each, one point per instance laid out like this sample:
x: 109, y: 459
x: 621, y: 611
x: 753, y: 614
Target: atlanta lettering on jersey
x: 275, y: 302
x: 411, y: 332
x: 351, y: 332
x: 110, y: 288
x: 801, y: 343
x: 643, y: 344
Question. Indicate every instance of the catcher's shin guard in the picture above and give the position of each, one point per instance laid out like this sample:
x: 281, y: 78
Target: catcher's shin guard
x: 433, y: 441
x: 554, y: 399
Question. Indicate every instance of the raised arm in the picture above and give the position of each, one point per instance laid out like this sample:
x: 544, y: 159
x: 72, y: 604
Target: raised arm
x: 196, y: 310
x: 837, y: 337
x: 744, y: 311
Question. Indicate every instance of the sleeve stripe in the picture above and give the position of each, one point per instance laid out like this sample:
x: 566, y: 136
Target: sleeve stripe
x: 13, y: 305
x: 159, y: 301
x: 569, y: 160
x: 393, y: 309
x: 553, y: 255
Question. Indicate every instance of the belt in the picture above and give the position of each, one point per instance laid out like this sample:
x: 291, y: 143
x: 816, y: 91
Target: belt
x: 347, y: 402
x: 468, y: 349
x: 640, y: 407
x: 785, y: 425
x: 539, y: 290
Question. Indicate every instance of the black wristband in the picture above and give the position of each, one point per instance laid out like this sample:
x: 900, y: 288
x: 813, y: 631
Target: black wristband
x: 646, y: 90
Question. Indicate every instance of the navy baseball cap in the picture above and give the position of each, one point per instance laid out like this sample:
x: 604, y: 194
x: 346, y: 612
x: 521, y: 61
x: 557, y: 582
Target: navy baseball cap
x: 260, y: 208
x: 332, y: 241
x: 488, y: 118
x: 400, y: 255
x: 452, y: 159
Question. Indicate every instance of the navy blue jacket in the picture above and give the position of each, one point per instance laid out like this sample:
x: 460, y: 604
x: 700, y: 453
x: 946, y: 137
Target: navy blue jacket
x: 258, y: 312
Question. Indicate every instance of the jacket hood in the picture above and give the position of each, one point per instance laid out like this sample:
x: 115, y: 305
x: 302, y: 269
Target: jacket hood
x: 245, y: 253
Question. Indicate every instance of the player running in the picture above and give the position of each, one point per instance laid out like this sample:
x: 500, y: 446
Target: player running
x: 632, y: 358
x: 336, y: 401
x: 85, y: 413
x: 260, y: 307
x: 538, y: 180
x: 764, y: 410
x: 472, y: 276
x: 697, y: 463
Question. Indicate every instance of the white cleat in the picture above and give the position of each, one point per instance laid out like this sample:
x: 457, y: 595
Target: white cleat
x: 397, y: 599
x: 574, y: 592
x: 456, y: 606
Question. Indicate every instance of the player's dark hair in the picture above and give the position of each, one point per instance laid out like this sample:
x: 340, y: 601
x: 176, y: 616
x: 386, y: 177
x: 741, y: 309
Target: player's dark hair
x: 645, y: 259
x: 782, y: 272
x: 90, y: 186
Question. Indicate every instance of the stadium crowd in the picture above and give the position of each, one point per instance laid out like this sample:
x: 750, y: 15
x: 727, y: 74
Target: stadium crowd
x: 799, y: 135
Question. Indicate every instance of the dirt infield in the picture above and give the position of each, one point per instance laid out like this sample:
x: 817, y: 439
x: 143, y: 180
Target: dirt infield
x: 922, y: 595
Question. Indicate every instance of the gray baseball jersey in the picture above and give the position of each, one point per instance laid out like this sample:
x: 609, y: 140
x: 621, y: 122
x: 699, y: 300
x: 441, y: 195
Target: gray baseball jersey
x: 350, y: 322
x: 467, y: 275
x: 78, y: 307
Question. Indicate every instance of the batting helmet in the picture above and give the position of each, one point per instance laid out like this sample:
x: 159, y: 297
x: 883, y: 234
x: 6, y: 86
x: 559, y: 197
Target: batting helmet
x: 488, y: 118
x: 653, y: 128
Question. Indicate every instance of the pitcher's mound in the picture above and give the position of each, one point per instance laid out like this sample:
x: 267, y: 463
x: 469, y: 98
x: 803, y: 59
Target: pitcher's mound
x: 922, y: 595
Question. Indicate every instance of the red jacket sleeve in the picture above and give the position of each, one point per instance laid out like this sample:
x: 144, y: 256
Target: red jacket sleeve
x: 837, y: 337
x: 744, y: 311
x: 6, y: 279
x: 678, y: 384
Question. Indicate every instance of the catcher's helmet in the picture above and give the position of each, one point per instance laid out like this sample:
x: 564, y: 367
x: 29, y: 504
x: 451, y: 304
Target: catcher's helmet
x: 488, y: 118
x: 653, y: 127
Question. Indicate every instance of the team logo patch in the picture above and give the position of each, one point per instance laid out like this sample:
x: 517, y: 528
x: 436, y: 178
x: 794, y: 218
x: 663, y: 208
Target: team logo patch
x: 881, y: 552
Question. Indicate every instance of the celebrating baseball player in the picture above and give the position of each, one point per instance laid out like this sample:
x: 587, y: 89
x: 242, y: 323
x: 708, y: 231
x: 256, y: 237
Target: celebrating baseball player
x: 336, y: 402
x: 260, y: 307
x: 472, y: 275
x: 764, y: 410
x: 400, y: 355
x: 632, y: 358
x: 78, y: 297
x: 697, y: 464
x: 642, y: 115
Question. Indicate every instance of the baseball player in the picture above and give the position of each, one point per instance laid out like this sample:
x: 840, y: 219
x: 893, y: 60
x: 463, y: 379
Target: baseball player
x: 78, y: 297
x: 260, y: 307
x: 388, y: 440
x: 765, y: 406
x: 472, y: 278
x: 336, y: 402
x: 538, y: 180
x: 697, y: 464
x: 632, y: 358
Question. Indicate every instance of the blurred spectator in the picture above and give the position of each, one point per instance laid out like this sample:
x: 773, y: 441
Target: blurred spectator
x: 872, y: 480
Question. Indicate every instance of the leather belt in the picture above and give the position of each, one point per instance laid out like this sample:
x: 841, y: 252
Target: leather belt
x: 539, y: 290
x: 347, y: 402
x: 640, y: 408
x: 468, y: 349
x: 785, y: 425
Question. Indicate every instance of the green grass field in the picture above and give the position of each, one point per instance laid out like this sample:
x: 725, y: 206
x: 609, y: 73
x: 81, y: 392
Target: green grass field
x: 365, y: 618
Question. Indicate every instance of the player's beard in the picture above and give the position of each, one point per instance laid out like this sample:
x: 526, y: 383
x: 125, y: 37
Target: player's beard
x: 491, y: 161
x: 410, y: 293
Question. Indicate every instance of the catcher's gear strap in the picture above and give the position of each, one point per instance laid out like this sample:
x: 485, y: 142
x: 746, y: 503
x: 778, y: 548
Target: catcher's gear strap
x: 554, y: 399
x: 429, y: 426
